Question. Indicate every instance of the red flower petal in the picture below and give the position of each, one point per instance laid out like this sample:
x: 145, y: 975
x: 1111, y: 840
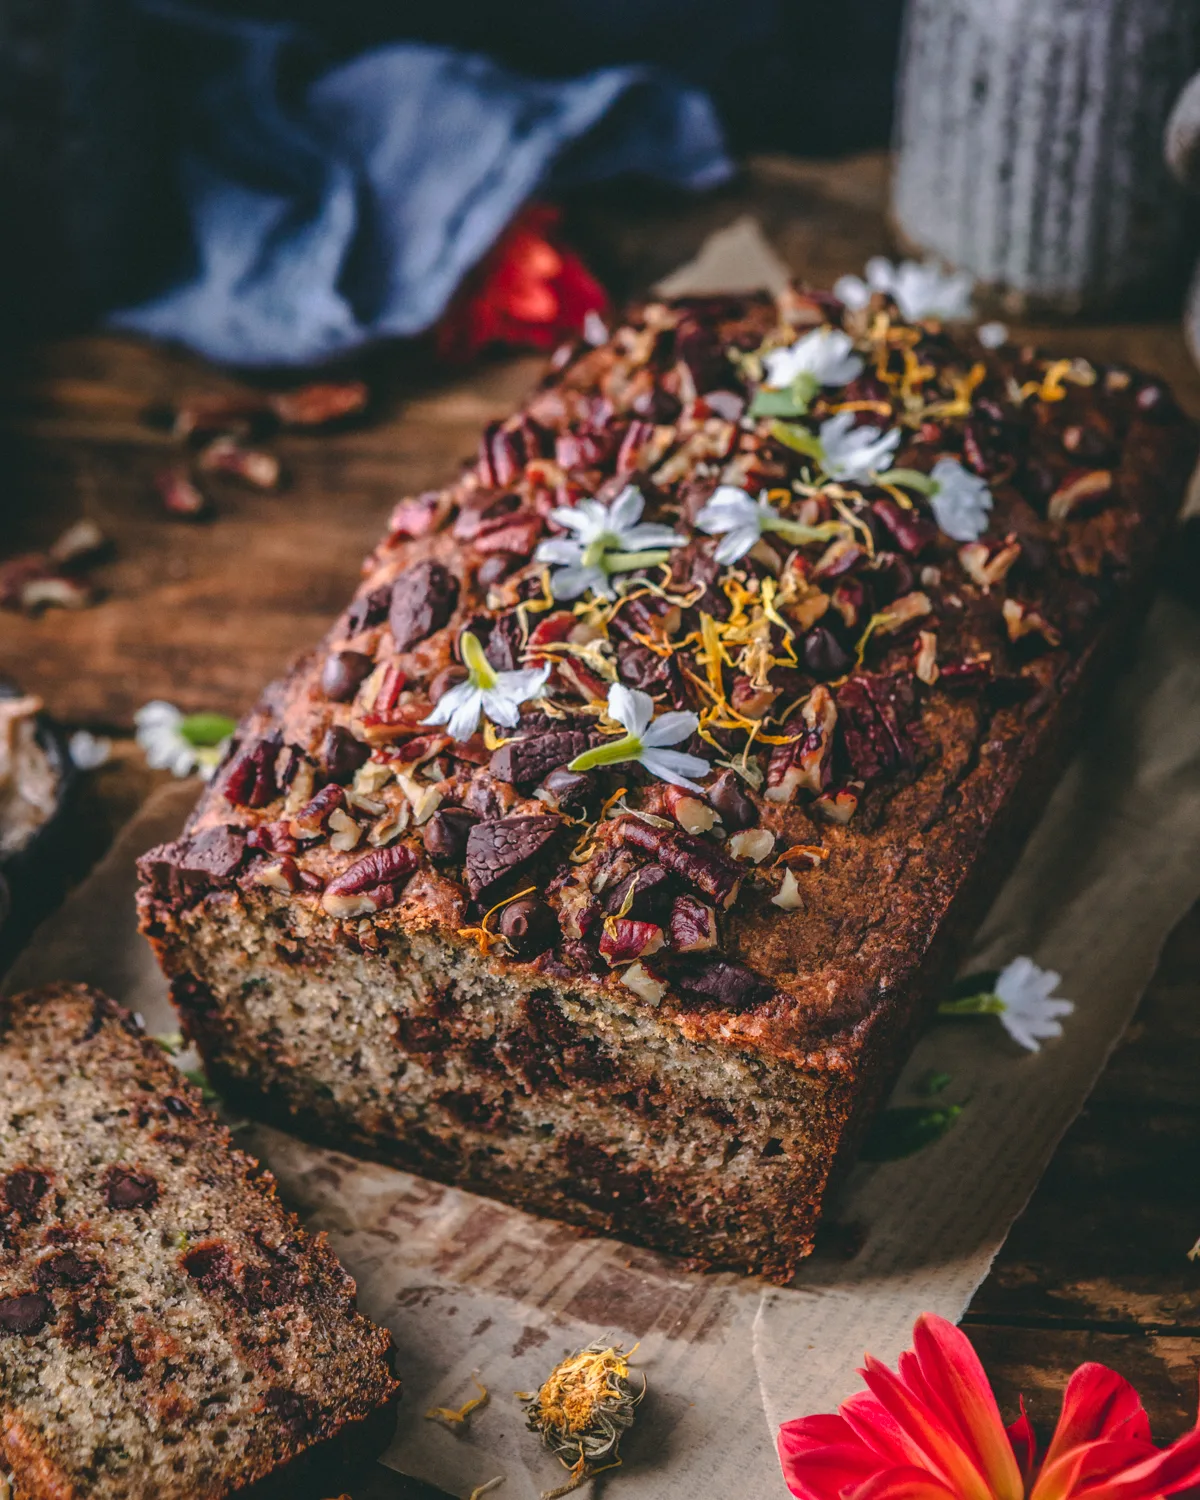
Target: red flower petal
x: 1098, y: 1404
x: 1024, y: 1443
x: 903, y: 1484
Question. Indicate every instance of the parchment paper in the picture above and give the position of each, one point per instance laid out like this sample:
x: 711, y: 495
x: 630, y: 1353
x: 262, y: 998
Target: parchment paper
x: 469, y: 1285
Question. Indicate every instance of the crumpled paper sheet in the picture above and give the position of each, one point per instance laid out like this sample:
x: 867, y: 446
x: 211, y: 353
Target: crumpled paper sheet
x: 466, y: 1284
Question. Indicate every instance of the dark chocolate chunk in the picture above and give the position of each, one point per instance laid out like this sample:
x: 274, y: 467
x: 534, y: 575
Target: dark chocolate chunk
x: 495, y: 567
x: 530, y: 926
x: 652, y: 890
x: 504, y: 644
x: 211, y: 1265
x: 504, y: 846
x: 24, y: 1190
x: 342, y: 673
x: 445, y: 834
x: 423, y: 600
x: 524, y: 761
x: 188, y: 868
x: 720, y: 984
x: 65, y: 1269
x: 735, y: 808
x: 291, y: 1410
x: 572, y: 788
x: 28, y: 1312
x: 341, y: 754
x: 370, y: 609
x: 126, y: 1188
x: 126, y: 1364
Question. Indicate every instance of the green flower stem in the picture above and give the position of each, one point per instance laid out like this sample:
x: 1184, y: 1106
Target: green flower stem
x: 983, y: 1004
x: 628, y: 747
x: 206, y: 729
x: 799, y: 535
x: 787, y: 401
x: 481, y: 671
x: 799, y: 440
x: 623, y: 562
x: 912, y: 479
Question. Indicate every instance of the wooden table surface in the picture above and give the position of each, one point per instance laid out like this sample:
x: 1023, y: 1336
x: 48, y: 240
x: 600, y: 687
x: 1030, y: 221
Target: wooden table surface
x: 203, y: 614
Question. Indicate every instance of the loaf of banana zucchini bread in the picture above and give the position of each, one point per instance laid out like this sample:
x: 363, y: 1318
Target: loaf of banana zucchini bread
x: 167, y: 1329
x: 607, y: 855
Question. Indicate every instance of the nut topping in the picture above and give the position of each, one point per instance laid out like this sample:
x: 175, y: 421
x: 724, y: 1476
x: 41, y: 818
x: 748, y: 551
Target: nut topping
x: 371, y: 883
x: 624, y: 939
x: 692, y: 927
x: 699, y: 864
x: 1082, y: 491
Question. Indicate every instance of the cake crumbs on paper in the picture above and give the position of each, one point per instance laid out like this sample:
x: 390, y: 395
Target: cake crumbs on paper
x: 582, y: 1410
x: 453, y: 1418
x: 1194, y: 1252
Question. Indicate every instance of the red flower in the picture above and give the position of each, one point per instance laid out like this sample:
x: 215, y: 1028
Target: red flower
x: 529, y: 291
x: 932, y: 1431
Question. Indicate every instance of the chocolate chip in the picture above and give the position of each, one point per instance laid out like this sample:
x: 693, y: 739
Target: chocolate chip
x: 24, y: 1190
x: 736, y: 809
x: 125, y: 1188
x: 342, y: 673
x: 211, y: 1265
x: 28, y: 1312
x: 661, y: 407
x: 177, y: 1107
x: 721, y: 984
x: 65, y: 1269
x: 127, y: 1365
x: 504, y: 846
x: 341, y: 754
x: 530, y: 926
x: 522, y: 762
x: 446, y: 833
x: 423, y: 600
x: 823, y: 653
x: 571, y: 788
x: 370, y: 609
x: 495, y: 567
x: 643, y: 669
x: 291, y: 1411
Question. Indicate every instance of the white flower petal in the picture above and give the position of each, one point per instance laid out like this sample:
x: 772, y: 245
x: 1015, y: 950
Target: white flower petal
x: 826, y: 354
x: 450, y: 701
x: 961, y: 501
x: 88, y: 751
x: 626, y: 509
x: 558, y: 549
x: 726, y: 508
x: 638, y: 538
x: 630, y: 707
x: 464, y: 721
x: 675, y: 767
x: 499, y: 707
x: 852, y: 292
x: 569, y: 583
x: 992, y: 335
x: 1030, y: 1012
x: 523, y: 685
x: 669, y: 729
x: 734, y: 545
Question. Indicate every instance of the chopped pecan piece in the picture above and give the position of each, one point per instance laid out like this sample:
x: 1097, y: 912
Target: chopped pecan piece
x: 371, y: 883
x: 693, y: 926
x: 647, y: 890
x: 423, y: 600
x: 903, y: 612
x: 315, y: 405
x: 1020, y: 622
x: 180, y: 496
x: 925, y: 657
x: 420, y: 515
x: 986, y: 567
x: 504, y: 846
x: 249, y: 780
x: 875, y: 715
x: 1083, y: 490
x: 313, y: 818
x: 692, y: 815
x: 807, y: 763
x: 913, y: 532
x: 225, y: 455
x: 624, y: 939
x: 698, y: 863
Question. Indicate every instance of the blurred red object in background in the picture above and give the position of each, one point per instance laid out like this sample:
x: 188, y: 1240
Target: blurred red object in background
x: 529, y: 291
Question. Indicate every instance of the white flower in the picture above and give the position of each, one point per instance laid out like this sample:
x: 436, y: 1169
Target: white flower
x: 992, y: 335
x: 486, y: 691
x: 88, y: 751
x: 1023, y: 998
x: 732, y: 515
x: 854, y: 453
x: 919, y: 289
x: 608, y: 539
x: 1030, y: 1013
x: 181, y: 743
x: 644, y: 740
x: 822, y: 357
x: 961, y: 501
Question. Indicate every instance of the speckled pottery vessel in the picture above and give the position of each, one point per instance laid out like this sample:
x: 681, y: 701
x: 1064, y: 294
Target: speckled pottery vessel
x: 1029, y: 141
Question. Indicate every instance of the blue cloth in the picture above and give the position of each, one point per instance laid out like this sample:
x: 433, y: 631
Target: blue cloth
x: 348, y: 207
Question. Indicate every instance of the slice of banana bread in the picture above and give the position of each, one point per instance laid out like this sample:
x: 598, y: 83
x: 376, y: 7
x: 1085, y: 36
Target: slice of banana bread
x: 447, y: 902
x: 167, y: 1329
